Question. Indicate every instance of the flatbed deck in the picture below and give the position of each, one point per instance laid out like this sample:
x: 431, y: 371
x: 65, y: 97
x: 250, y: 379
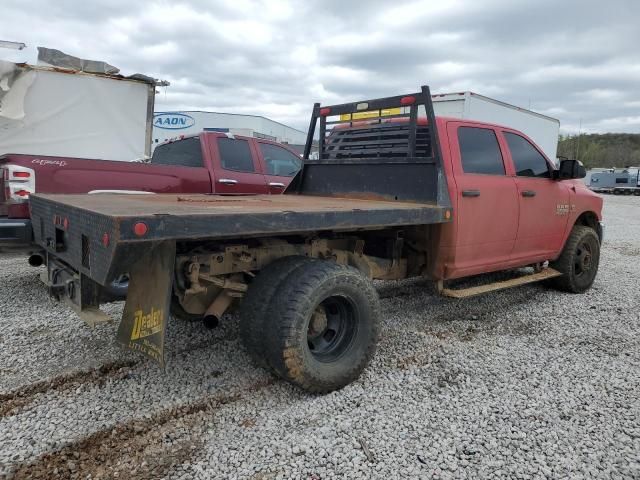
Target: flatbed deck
x: 181, y: 217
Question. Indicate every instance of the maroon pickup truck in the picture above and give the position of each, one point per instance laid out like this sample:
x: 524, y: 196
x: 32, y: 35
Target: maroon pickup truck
x: 206, y: 163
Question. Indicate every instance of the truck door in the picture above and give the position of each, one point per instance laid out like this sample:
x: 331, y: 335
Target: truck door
x: 486, y: 199
x: 544, y: 202
x: 278, y: 164
x: 236, y: 168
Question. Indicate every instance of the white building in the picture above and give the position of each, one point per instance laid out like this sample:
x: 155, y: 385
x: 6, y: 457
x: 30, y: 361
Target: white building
x: 167, y: 125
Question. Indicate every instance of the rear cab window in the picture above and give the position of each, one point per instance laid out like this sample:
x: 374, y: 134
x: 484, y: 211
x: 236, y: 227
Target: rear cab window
x: 527, y: 160
x: 279, y: 161
x: 480, y: 152
x: 235, y: 155
x: 183, y: 153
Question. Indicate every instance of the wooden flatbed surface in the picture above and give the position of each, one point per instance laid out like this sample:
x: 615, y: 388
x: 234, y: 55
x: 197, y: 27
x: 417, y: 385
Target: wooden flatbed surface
x: 123, y: 205
x: 196, y: 217
x: 184, y: 218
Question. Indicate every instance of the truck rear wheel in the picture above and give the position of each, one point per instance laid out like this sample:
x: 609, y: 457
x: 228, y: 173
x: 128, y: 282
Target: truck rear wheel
x: 323, y: 326
x: 253, y: 308
x: 578, y: 261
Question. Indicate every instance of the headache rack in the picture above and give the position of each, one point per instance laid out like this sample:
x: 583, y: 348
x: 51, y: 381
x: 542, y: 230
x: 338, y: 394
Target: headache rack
x: 385, y: 148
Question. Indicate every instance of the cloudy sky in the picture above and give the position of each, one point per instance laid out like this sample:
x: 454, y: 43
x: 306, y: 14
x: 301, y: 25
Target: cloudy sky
x: 573, y: 60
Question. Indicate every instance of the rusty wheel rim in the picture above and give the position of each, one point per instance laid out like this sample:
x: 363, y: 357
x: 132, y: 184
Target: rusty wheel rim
x: 583, y: 261
x: 332, y: 328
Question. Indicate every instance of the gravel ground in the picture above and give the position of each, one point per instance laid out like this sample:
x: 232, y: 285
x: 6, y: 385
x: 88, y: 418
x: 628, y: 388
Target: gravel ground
x: 525, y: 383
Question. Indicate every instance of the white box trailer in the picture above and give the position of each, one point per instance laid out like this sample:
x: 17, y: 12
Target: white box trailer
x: 543, y: 130
x: 69, y: 113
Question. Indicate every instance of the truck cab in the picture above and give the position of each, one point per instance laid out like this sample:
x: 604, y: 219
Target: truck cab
x: 511, y: 207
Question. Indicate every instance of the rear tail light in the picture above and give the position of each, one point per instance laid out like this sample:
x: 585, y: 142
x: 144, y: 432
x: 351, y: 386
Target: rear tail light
x: 19, y: 183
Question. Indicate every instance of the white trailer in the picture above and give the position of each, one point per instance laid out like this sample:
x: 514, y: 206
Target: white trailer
x: 543, y: 130
x: 68, y: 113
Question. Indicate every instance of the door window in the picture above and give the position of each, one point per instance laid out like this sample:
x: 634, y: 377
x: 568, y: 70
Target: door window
x: 185, y: 153
x: 479, y: 151
x: 279, y: 161
x: 527, y: 161
x: 235, y: 155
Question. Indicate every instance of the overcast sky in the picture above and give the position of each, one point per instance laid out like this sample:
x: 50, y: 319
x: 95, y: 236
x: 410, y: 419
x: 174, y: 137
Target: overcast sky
x: 568, y: 59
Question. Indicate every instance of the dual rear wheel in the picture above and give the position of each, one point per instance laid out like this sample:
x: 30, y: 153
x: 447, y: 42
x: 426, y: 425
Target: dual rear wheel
x: 312, y: 322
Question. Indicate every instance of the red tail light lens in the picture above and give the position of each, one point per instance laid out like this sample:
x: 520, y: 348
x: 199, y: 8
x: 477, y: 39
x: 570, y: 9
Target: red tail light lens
x: 325, y: 111
x: 140, y: 229
x: 105, y: 240
x: 407, y: 100
x: 19, y: 183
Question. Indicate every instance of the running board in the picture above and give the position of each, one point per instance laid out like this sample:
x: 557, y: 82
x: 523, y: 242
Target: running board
x: 492, y: 287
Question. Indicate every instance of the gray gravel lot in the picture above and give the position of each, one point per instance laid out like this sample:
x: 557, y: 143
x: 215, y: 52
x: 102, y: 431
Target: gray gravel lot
x: 525, y: 383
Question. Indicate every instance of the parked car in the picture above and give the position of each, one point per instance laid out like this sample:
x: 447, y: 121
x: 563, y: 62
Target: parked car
x: 210, y: 162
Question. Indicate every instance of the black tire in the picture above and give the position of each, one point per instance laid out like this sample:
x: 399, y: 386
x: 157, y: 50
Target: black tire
x: 118, y: 288
x: 323, y: 326
x: 578, y: 261
x: 254, y: 305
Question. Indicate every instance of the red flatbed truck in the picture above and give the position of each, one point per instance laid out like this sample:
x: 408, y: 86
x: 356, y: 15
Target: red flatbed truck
x: 387, y: 198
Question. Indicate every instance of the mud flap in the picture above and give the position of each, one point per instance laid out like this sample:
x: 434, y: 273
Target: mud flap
x: 146, y: 312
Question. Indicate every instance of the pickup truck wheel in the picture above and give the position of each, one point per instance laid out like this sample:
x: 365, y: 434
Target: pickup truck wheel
x: 253, y: 308
x: 323, y: 326
x: 578, y: 261
x: 118, y: 287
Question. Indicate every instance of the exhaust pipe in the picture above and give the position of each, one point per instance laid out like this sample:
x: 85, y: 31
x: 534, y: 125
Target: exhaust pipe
x: 215, y: 311
x: 36, y: 260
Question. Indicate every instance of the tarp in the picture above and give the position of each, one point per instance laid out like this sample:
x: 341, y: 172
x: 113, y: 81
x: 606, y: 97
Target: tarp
x: 56, y: 58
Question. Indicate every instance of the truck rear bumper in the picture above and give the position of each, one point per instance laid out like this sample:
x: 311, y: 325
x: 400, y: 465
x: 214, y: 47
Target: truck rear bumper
x: 15, y: 234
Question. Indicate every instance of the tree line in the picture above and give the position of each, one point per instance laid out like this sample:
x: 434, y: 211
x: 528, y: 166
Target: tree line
x: 602, y: 150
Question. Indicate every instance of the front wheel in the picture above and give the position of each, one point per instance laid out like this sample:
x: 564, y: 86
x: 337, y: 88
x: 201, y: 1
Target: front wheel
x: 323, y: 326
x: 578, y: 261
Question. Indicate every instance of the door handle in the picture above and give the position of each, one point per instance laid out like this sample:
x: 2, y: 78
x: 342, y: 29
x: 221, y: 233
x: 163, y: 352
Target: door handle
x: 276, y: 184
x: 470, y: 193
x: 227, y: 181
x: 528, y: 193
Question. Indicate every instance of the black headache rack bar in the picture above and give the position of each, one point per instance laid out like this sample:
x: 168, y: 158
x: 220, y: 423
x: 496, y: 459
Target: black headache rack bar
x: 378, y: 148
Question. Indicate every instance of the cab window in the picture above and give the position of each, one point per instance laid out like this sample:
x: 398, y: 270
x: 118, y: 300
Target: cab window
x: 235, y: 155
x: 480, y: 151
x: 185, y: 153
x: 527, y: 161
x: 279, y: 161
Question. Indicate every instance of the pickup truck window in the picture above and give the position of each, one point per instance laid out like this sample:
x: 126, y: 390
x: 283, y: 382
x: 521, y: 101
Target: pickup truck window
x: 527, y: 161
x: 235, y: 155
x: 480, y: 151
x: 279, y: 161
x: 185, y: 153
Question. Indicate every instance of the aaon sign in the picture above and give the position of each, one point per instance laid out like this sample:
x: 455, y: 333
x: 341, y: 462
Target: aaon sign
x: 173, y: 121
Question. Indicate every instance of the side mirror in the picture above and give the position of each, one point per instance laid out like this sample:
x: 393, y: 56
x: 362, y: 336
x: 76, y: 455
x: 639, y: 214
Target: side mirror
x: 570, y: 169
